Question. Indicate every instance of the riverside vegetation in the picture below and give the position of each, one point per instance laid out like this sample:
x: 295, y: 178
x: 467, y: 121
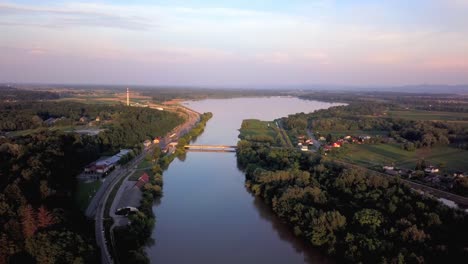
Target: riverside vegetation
x: 352, y: 214
x: 132, y: 239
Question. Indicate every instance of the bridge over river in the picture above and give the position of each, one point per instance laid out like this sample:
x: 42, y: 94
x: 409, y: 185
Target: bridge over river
x: 211, y: 148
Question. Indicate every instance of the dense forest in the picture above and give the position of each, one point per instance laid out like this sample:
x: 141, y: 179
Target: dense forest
x: 370, y: 116
x: 123, y: 126
x: 352, y: 214
x: 10, y: 94
x: 39, y: 221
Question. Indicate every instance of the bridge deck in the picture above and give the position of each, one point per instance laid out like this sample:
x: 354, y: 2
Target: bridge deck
x: 209, y: 147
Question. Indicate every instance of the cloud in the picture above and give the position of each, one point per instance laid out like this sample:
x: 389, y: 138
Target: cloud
x: 71, y: 15
x: 317, y: 42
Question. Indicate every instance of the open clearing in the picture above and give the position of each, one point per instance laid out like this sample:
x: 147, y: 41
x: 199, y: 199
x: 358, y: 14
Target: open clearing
x: 430, y: 115
x: 452, y: 159
x: 254, y: 129
x: 85, y: 192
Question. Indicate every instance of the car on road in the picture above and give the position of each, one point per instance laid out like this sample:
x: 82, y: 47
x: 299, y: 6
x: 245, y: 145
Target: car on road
x: 126, y: 211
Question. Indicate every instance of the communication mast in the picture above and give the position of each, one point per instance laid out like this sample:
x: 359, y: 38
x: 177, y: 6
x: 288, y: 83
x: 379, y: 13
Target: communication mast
x: 128, y: 97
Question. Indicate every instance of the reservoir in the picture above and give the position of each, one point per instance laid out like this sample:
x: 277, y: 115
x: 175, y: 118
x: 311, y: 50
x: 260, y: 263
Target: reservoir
x: 206, y: 214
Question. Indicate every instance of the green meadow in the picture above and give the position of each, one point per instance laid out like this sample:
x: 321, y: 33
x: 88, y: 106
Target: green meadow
x: 450, y: 159
x: 429, y: 115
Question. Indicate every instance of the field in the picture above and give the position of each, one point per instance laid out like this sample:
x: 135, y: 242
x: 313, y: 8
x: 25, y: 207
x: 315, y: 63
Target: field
x: 430, y: 115
x: 85, y: 192
x: 368, y: 155
x: 337, y: 133
x: 263, y: 131
x: 253, y: 127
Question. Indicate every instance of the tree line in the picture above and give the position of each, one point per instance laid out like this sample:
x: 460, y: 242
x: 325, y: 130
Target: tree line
x: 39, y: 221
x: 9, y: 94
x: 352, y: 214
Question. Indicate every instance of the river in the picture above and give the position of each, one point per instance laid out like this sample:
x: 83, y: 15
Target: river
x: 207, y: 215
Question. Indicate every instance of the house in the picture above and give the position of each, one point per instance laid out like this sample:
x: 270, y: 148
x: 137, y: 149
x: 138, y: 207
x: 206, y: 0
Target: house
x: 104, y: 165
x: 304, y: 148
x: 364, y: 137
x: 98, y: 119
x: 156, y: 140
x: 347, y: 137
x: 147, y: 143
x: 144, y: 179
x: 322, y: 139
x: 83, y: 119
x: 459, y: 174
x: 431, y: 169
x: 388, y: 167
x: 103, y: 168
x: 337, y: 145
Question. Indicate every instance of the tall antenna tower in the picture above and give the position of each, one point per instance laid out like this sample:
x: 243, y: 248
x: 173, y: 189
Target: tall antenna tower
x: 128, y: 97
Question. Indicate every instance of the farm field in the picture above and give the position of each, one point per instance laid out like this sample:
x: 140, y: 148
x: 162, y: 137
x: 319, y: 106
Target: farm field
x: 430, y: 115
x: 253, y: 127
x: 368, y: 155
x: 338, y: 133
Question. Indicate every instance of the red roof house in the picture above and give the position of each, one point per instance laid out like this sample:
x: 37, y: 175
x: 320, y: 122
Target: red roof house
x: 144, y: 179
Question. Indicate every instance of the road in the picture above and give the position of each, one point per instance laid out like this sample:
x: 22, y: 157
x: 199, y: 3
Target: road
x: 101, y: 204
x: 97, y: 206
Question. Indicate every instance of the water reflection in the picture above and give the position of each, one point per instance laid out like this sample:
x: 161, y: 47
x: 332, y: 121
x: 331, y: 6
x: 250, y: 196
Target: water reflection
x: 206, y: 214
x: 311, y: 255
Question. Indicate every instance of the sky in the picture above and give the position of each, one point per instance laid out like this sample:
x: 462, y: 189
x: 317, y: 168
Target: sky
x: 235, y: 43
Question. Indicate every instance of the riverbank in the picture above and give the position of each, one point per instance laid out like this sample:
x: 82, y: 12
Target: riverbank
x: 130, y: 240
x: 206, y: 214
x: 352, y: 214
